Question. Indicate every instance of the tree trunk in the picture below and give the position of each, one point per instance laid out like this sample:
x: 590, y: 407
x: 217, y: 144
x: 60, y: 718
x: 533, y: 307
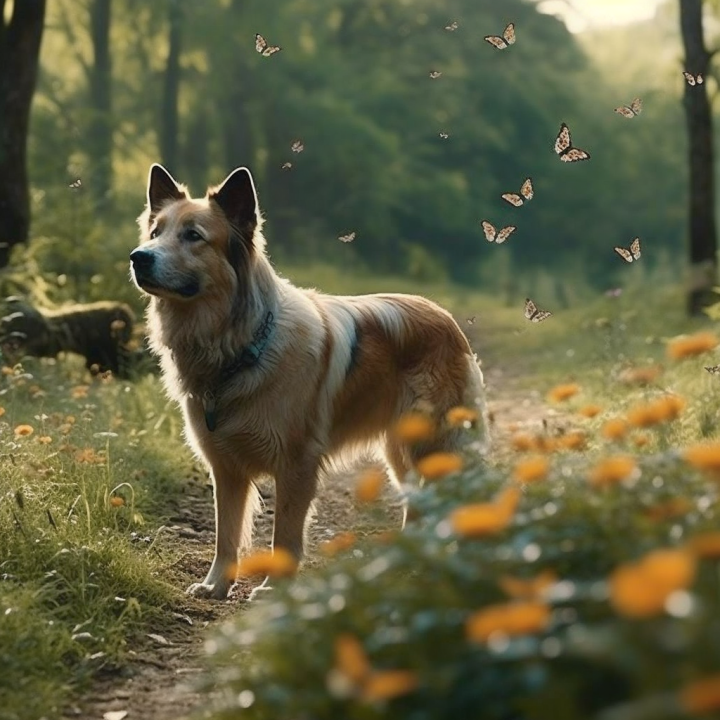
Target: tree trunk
x: 703, y: 235
x: 19, y: 56
x: 169, y: 124
x: 100, y: 141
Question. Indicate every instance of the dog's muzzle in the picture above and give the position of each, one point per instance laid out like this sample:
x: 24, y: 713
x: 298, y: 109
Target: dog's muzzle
x: 144, y: 269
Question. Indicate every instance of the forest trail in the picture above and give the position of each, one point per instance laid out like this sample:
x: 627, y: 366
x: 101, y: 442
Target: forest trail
x: 158, y: 682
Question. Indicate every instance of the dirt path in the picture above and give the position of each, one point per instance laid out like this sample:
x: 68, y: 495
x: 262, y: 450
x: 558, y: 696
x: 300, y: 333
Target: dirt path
x: 157, y: 683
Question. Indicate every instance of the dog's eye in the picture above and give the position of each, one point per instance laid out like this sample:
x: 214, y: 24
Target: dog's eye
x: 193, y: 235
x: 154, y: 233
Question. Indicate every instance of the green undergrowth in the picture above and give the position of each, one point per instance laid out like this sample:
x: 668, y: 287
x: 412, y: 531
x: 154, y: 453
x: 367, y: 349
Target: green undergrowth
x: 85, y: 467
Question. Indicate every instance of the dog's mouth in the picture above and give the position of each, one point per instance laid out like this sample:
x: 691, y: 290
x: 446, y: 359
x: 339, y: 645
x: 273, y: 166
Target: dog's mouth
x: 187, y: 288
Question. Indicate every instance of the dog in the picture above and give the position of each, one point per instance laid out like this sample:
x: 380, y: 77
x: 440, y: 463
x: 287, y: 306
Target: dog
x: 275, y: 380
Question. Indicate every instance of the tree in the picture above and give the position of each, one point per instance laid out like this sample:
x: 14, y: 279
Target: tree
x: 702, y: 228
x: 169, y: 123
x: 20, y: 37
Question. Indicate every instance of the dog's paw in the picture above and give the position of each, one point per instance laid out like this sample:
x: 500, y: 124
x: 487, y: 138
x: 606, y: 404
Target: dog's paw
x: 209, y: 592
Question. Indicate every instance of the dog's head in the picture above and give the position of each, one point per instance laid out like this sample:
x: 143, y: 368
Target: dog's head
x: 194, y: 247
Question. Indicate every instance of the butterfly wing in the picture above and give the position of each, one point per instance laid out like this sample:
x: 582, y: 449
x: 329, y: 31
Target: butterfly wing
x: 260, y: 42
x: 496, y: 41
x: 271, y: 50
x: 624, y: 253
x: 509, y: 34
x: 527, y: 190
x: 505, y: 233
x: 347, y: 238
x: 489, y: 230
x: 574, y: 154
x: 699, y: 79
x: 530, y: 308
x: 513, y: 198
x: 689, y: 77
x: 562, y: 142
x: 625, y: 111
x: 635, y: 248
x: 636, y: 106
x: 713, y: 369
x: 540, y: 315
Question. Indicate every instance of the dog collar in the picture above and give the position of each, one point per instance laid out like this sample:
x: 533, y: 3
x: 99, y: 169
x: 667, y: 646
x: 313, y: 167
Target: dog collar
x: 248, y: 357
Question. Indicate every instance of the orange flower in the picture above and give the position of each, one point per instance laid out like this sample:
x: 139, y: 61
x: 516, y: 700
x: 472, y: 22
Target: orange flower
x: 689, y: 345
x: 574, y: 440
x: 80, y: 391
x: 481, y: 519
x: 640, y: 440
x: 530, y: 589
x: 24, y: 430
x: 533, y: 469
x: 369, y: 485
x: 563, y: 392
x: 611, y: 470
x: 5, y: 370
x: 116, y: 501
x: 706, y: 545
x: 88, y: 455
x: 640, y: 375
x: 439, y: 464
x: 658, y: 411
x: 641, y: 589
x: 351, y: 659
x: 461, y: 416
x: 514, y: 618
x: 589, y: 411
x: 414, y: 427
x: 44, y: 439
x: 522, y: 442
x: 701, y: 696
x: 672, y: 508
x: 388, y: 684
x: 342, y: 541
x: 274, y: 563
x: 704, y: 456
x: 614, y: 429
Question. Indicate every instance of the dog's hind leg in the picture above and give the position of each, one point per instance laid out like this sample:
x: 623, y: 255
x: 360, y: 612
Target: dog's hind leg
x: 236, y: 502
x: 398, y: 467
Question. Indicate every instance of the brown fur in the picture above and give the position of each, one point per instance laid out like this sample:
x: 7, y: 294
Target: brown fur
x: 335, y: 374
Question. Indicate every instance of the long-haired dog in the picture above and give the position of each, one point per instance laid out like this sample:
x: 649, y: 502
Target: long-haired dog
x: 275, y: 380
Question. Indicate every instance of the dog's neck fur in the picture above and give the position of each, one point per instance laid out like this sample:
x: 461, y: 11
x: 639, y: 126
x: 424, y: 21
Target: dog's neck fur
x: 210, y: 342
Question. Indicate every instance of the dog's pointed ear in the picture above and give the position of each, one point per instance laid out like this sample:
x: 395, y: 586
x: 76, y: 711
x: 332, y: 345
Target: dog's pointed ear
x: 237, y: 198
x: 162, y: 187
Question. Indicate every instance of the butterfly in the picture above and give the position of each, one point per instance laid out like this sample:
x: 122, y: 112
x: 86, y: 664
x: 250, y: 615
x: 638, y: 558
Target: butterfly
x: 508, y: 38
x: 435, y: 74
x: 713, y: 370
x: 526, y: 193
x: 613, y: 292
x: 443, y: 135
x: 452, y: 26
x: 631, y: 253
x: 533, y: 314
x: 347, y: 238
x: 286, y: 166
x: 693, y: 79
x: 75, y: 184
x: 297, y: 146
x: 471, y: 320
x: 564, y: 147
x: 497, y: 236
x: 261, y: 45
x: 632, y: 110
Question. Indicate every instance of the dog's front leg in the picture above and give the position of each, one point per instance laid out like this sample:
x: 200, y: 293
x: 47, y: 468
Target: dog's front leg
x: 233, y: 521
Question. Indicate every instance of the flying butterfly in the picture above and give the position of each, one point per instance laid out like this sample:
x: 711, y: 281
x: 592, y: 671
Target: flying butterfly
x: 347, y: 238
x: 533, y: 314
x: 526, y: 193
x: 471, y: 320
x: 444, y: 135
x: 75, y: 184
x: 693, y: 80
x: 507, y: 39
x: 452, y: 26
x: 713, y: 369
x: 286, y: 166
x: 565, y: 149
x: 630, y: 111
x: 492, y: 234
x: 435, y: 74
x: 631, y: 253
x: 297, y: 146
x: 261, y: 45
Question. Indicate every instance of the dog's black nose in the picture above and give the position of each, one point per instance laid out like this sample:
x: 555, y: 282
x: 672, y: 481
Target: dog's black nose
x: 142, y: 259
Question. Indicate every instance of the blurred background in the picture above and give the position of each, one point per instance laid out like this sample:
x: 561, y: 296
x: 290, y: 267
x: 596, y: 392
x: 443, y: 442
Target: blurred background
x: 124, y: 83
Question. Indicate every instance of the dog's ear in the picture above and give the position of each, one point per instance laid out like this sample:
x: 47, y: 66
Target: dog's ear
x: 237, y: 198
x: 162, y: 187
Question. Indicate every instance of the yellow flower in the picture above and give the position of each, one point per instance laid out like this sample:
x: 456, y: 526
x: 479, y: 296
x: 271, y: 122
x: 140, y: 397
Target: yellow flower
x: 461, y: 416
x: 655, y: 412
x: 672, y: 508
x: 640, y: 440
x: 640, y: 589
x: 704, y: 456
x: 414, y: 427
x: 690, y: 345
x: 80, y: 391
x: 116, y: 501
x: 369, y: 485
x: 388, y: 684
x: 351, y: 659
x: 532, y: 469
x: 44, y: 439
x: 589, y: 411
x: 611, y: 470
x: 2, y: 411
x: 563, y: 392
x: 530, y: 589
x: 482, y: 519
x: 439, y: 464
x: 273, y: 563
x: 342, y: 541
x: 24, y: 430
x: 574, y: 440
x: 641, y: 375
x: 701, y: 696
x: 514, y: 618
x: 614, y: 429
